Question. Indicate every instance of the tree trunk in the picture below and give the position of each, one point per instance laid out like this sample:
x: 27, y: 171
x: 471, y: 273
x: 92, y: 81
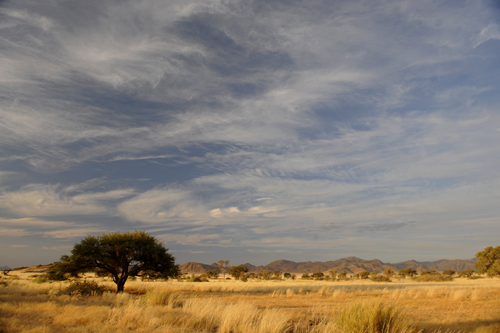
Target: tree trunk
x: 120, y: 284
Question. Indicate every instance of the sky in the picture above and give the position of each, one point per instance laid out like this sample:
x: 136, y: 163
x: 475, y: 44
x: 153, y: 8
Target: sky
x: 251, y: 130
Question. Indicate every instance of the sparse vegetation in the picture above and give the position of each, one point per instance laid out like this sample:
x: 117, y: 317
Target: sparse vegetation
x: 303, y: 306
x: 85, y: 288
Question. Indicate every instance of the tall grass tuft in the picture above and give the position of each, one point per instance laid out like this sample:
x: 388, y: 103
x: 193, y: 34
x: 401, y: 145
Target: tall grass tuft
x: 372, y: 317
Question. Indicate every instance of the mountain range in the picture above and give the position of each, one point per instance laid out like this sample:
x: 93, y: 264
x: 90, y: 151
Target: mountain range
x: 350, y: 265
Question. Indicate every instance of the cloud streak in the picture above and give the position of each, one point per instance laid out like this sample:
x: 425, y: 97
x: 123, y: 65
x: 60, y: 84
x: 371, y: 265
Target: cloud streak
x: 263, y: 123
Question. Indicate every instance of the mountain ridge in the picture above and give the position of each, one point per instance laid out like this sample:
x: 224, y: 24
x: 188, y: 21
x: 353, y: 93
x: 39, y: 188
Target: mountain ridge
x: 350, y: 265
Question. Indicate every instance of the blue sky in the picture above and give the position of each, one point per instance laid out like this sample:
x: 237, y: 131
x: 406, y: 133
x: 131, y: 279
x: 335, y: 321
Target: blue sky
x: 251, y: 130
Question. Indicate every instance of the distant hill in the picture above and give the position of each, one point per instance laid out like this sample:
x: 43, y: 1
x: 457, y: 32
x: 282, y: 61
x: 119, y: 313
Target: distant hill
x: 196, y: 267
x: 4, y: 267
x: 350, y: 265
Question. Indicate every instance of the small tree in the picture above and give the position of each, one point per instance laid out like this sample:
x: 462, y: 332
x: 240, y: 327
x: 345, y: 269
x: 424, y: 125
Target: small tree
x: 342, y: 276
x: 213, y: 274
x: 287, y: 276
x: 277, y: 275
x: 364, y: 275
x: 407, y: 272
x: 224, y: 266
x: 388, y: 272
x: 305, y: 276
x: 318, y: 276
x: 467, y: 273
x: 238, y: 271
x: 488, y: 261
x: 333, y: 274
x: 120, y: 254
x: 267, y: 275
x: 448, y: 272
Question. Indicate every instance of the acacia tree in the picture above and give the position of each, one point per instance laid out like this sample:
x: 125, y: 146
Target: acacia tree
x: 238, y: 271
x: 121, y: 255
x: 488, y: 261
x: 224, y: 266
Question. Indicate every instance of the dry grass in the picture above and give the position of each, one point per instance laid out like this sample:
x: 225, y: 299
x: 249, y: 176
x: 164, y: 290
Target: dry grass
x: 256, y: 307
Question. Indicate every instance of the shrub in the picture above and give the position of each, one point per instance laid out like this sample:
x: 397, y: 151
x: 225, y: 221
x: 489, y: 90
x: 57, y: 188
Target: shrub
x: 342, y: 276
x: 372, y: 317
x: 41, y: 279
x: 267, y: 275
x: 305, y: 276
x: 432, y: 278
x: 364, y: 275
x: 85, y: 288
x: 380, y: 278
x: 448, y: 272
x: 466, y: 273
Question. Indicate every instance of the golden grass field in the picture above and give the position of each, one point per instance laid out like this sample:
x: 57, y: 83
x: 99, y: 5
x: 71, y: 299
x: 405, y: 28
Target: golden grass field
x: 254, y: 306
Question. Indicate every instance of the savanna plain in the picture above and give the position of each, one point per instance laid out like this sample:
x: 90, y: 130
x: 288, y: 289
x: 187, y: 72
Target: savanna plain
x: 28, y: 304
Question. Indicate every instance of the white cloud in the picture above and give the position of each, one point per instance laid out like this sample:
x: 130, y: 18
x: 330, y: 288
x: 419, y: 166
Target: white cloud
x: 8, y: 232
x: 74, y: 233
x: 162, y: 205
x: 50, y: 200
x: 492, y: 31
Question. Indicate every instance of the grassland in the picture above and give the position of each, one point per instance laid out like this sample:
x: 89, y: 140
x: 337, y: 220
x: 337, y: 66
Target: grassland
x: 254, y: 306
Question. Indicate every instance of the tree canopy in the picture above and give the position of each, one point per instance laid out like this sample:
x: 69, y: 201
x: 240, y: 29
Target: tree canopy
x: 121, y: 255
x: 488, y: 261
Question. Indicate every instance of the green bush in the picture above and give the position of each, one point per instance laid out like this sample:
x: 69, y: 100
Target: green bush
x: 432, y: 278
x: 85, y: 288
x: 380, y: 278
x: 41, y: 279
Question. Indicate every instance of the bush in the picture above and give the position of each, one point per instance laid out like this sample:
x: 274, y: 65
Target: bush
x: 380, y: 278
x: 85, y: 288
x: 432, y: 278
x: 372, y: 317
x: 41, y: 279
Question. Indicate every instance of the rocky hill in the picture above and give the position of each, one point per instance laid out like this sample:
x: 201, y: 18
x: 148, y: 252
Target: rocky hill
x: 350, y: 265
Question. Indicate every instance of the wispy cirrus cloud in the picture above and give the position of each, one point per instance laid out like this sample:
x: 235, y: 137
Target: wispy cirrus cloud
x: 264, y: 121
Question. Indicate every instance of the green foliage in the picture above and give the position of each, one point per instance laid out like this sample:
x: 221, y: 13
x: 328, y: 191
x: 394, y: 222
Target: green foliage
x: 224, y: 266
x: 267, y: 275
x: 306, y: 276
x: 318, y: 276
x: 195, y: 278
x: 364, y: 275
x: 85, y: 288
x: 342, y: 276
x: 432, y: 278
x: 380, y: 278
x: 213, y: 274
x: 388, y: 272
x: 41, y: 279
x: 488, y: 261
x: 237, y: 271
x: 120, y: 254
x: 429, y: 273
x: 448, y: 272
x: 287, y: 275
x: 466, y: 273
x: 277, y: 275
x: 407, y: 272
